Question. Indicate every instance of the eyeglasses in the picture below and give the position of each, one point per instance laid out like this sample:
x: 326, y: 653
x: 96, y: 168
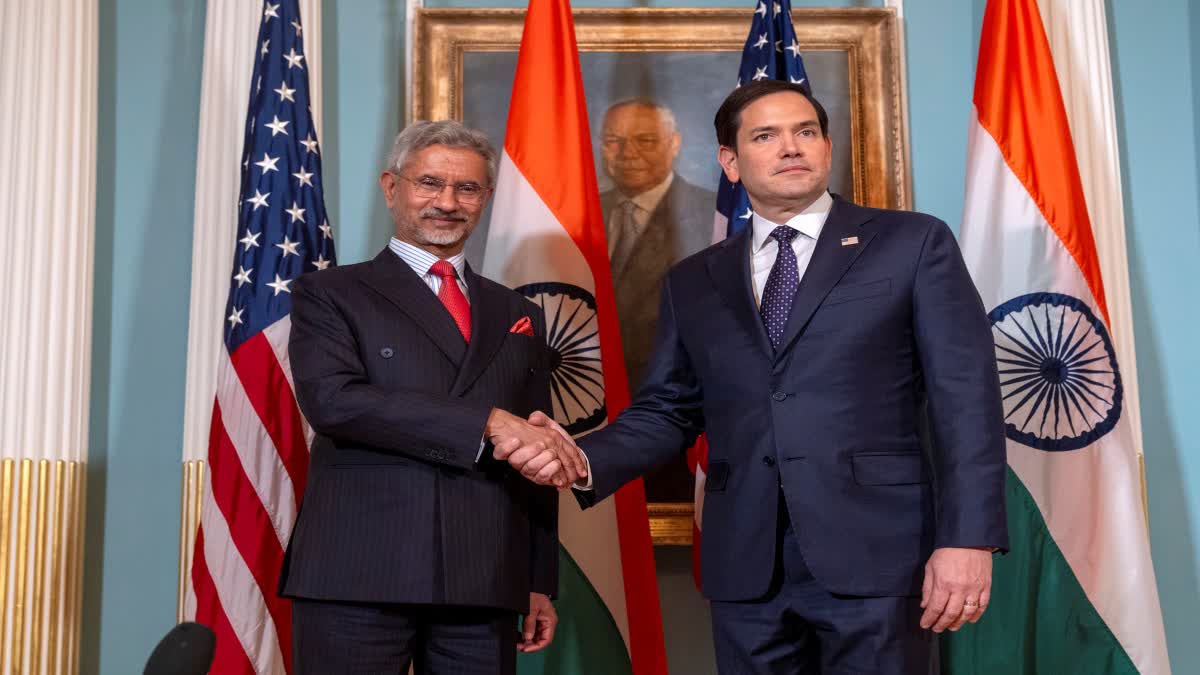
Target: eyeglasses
x: 643, y: 142
x: 428, y: 187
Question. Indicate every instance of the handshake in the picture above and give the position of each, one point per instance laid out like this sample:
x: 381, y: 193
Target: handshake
x: 538, y: 448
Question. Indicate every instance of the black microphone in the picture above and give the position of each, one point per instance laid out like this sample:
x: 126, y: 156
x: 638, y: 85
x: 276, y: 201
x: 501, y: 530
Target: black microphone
x: 186, y: 650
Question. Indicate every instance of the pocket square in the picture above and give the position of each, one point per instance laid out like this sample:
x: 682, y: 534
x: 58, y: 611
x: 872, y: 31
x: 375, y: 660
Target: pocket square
x: 524, y: 326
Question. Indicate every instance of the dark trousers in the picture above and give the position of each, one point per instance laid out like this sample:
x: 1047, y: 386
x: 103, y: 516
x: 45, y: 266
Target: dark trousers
x: 801, y: 628
x: 351, y: 638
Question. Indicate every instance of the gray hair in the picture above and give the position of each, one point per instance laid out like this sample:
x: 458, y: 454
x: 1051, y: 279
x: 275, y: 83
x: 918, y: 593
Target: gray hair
x: 664, y: 113
x: 450, y: 133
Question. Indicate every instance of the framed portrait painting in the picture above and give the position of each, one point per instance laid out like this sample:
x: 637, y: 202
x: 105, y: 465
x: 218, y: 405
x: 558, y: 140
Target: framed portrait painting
x: 654, y: 79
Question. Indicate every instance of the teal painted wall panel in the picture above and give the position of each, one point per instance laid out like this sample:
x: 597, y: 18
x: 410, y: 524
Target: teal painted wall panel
x: 1156, y: 56
x: 149, y: 102
x: 363, y: 107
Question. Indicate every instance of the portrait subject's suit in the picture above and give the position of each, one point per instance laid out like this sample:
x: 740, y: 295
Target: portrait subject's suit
x: 681, y: 225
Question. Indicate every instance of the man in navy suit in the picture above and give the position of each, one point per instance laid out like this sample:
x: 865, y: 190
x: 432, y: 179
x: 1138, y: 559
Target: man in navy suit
x: 842, y: 365
x: 413, y: 545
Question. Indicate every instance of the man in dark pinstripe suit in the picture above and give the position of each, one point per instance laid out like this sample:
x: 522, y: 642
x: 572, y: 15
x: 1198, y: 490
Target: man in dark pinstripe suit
x: 413, y: 545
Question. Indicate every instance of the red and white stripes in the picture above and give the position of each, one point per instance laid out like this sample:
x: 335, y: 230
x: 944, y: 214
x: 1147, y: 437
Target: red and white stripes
x: 257, y: 467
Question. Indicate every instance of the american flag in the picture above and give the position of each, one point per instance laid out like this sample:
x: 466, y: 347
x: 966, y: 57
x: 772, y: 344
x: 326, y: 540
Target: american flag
x: 771, y: 53
x: 258, y: 441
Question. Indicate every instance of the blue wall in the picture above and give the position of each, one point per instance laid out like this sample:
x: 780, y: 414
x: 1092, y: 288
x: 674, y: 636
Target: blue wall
x: 150, y: 60
x: 363, y: 98
x: 150, y: 63
x: 1156, y: 54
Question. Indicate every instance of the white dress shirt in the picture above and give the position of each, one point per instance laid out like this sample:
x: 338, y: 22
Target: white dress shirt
x: 645, y: 202
x: 421, y: 260
x: 629, y: 219
x: 764, y: 249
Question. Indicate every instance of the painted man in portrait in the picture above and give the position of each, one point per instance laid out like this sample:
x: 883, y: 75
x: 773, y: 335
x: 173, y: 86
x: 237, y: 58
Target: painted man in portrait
x: 653, y: 219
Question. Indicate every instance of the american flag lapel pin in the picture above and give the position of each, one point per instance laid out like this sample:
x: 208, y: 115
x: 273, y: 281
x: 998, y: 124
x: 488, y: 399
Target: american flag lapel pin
x: 849, y: 241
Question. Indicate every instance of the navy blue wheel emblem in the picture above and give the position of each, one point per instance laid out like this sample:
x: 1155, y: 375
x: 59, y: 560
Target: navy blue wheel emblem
x: 1058, y: 372
x: 572, y: 330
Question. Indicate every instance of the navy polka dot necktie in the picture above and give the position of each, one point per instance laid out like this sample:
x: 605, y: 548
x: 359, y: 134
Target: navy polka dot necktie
x: 776, y: 304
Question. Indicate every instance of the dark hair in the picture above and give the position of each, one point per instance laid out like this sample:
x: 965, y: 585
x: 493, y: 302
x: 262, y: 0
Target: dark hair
x: 729, y: 115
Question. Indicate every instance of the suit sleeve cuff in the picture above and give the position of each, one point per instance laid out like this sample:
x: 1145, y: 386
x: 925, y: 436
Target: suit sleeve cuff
x: 589, y: 486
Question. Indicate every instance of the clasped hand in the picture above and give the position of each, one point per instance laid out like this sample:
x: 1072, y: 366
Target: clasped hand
x: 538, y: 448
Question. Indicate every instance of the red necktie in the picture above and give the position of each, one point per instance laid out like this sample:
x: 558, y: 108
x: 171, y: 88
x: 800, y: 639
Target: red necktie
x: 452, y: 297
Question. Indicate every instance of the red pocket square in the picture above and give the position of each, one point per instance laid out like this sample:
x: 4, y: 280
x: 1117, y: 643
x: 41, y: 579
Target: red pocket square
x: 524, y: 327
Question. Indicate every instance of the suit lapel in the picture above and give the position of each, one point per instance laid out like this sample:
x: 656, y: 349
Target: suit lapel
x: 830, y: 260
x: 608, y: 202
x: 392, y: 278
x: 729, y: 267
x: 649, y: 255
x: 489, y: 312
x: 656, y: 244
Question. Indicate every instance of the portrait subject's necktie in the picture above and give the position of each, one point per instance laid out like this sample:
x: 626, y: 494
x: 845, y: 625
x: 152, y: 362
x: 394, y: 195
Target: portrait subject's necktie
x: 452, y: 297
x: 780, y: 289
x: 624, y: 237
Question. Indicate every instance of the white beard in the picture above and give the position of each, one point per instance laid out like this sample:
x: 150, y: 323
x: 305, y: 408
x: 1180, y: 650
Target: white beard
x: 442, y: 238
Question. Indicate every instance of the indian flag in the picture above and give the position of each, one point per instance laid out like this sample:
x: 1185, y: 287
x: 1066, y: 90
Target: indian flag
x: 546, y: 239
x: 1077, y: 592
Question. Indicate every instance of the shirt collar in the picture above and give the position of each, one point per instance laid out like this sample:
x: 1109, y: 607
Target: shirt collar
x: 648, y: 200
x: 809, y: 222
x: 421, y: 260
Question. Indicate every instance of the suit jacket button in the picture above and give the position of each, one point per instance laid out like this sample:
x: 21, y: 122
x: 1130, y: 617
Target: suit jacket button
x: 387, y: 352
x: 779, y: 396
x: 769, y: 460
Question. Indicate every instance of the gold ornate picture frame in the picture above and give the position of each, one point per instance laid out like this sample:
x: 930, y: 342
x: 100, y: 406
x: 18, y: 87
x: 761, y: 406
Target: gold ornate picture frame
x: 689, y: 59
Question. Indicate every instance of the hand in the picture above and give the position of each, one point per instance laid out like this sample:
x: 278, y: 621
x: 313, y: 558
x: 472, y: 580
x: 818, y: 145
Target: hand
x: 958, y: 584
x: 572, y: 457
x: 538, y: 453
x: 541, y: 419
x: 537, y: 628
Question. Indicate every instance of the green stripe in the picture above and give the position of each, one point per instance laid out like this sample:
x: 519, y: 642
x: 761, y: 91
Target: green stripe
x: 1039, y: 620
x: 587, y: 640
